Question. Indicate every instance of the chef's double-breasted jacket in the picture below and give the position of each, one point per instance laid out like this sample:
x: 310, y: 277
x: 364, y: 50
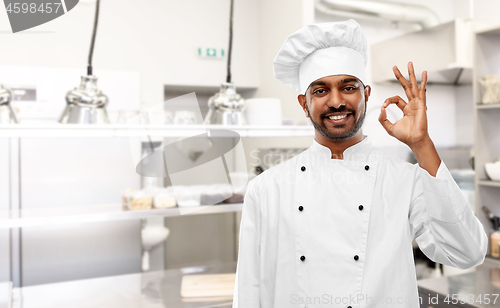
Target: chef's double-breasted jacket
x: 322, y: 232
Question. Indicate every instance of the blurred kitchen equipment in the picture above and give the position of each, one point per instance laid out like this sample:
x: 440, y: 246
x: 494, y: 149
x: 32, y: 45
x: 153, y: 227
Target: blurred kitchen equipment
x: 227, y: 107
x: 164, y: 198
x: 490, y: 86
x: 187, y: 195
x: 263, y: 111
x: 380, y: 11
x: 158, y: 117
x: 7, y: 115
x: 472, y: 159
x: 495, y: 220
x: 151, y: 235
x: 494, y: 234
x: 495, y: 242
x: 86, y: 104
x: 139, y: 200
x: 258, y: 170
x: 493, y: 170
x: 184, y: 117
x: 169, y: 117
x: 133, y: 117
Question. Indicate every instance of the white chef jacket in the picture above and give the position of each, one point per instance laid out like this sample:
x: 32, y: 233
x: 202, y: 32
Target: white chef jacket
x: 322, y: 232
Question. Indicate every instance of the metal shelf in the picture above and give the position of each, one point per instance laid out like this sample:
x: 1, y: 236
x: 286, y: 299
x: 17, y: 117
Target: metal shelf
x: 105, y: 212
x: 489, y: 183
x: 117, y: 130
x: 488, y: 106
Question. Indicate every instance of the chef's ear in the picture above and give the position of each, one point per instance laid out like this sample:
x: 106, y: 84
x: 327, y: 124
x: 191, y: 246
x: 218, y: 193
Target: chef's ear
x: 368, y: 91
x: 303, y: 101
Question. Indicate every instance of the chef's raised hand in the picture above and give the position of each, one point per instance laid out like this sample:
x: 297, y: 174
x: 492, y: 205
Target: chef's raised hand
x: 411, y: 129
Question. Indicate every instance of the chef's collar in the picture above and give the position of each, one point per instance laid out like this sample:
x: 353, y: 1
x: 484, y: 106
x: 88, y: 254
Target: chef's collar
x: 358, y: 151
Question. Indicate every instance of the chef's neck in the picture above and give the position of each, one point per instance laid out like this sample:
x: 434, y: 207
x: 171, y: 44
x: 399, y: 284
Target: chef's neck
x: 338, y: 147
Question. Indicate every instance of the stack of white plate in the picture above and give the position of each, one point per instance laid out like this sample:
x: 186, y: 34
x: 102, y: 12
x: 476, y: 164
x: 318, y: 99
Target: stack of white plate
x: 263, y: 111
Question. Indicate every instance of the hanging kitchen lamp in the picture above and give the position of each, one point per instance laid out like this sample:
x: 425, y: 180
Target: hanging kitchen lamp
x: 7, y: 115
x: 227, y: 107
x: 86, y: 104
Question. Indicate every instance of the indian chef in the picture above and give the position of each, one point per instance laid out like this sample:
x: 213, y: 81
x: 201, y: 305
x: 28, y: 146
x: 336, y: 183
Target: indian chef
x: 333, y: 226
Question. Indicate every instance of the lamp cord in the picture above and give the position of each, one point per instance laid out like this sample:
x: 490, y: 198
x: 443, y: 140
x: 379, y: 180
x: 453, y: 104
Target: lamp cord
x: 96, y: 17
x: 228, y: 77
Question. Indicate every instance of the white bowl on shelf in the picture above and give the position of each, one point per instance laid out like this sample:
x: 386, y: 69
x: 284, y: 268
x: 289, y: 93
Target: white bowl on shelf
x: 493, y: 171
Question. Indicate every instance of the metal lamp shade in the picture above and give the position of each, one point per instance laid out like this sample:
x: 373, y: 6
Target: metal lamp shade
x: 226, y: 107
x: 7, y: 115
x: 85, y: 104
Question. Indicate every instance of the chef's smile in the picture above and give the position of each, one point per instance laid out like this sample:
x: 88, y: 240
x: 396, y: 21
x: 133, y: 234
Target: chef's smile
x: 338, y: 119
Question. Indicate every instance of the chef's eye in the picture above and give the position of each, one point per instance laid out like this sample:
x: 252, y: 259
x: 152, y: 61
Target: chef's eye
x: 350, y: 88
x: 319, y: 91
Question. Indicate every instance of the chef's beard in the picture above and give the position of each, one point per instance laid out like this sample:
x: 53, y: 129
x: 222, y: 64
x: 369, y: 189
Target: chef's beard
x: 320, y: 127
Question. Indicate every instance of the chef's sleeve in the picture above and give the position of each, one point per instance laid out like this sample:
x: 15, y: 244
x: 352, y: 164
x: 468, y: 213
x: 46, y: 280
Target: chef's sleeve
x: 446, y: 229
x: 246, y: 289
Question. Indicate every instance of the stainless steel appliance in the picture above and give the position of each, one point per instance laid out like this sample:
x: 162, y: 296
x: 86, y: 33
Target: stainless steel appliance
x: 226, y: 107
x: 7, y: 115
x: 86, y: 104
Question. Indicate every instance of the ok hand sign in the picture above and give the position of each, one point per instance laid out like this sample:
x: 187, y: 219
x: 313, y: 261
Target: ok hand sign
x: 411, y: 129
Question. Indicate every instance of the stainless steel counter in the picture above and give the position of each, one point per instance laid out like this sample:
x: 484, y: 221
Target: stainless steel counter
x: 145, y: 290
x: 465, y: 290
x: 162, y: 290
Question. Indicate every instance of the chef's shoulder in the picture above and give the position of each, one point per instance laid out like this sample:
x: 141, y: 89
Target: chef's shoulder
x: 391, y: 165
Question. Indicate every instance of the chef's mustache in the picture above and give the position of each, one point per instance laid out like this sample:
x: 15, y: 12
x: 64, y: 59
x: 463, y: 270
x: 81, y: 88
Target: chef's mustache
x: 334, y: 110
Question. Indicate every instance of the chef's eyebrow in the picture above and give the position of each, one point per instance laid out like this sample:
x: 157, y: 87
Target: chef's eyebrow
x: 317, y: 83
x: 346, y: 80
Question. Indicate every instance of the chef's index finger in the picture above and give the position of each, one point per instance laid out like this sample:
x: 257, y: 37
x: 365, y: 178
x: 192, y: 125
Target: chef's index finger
x: 397, y: 100
x: 402, y: 80
x: 413, y: 79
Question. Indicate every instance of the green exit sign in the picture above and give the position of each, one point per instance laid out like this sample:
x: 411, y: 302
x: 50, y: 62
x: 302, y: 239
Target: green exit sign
x: 208, y: 52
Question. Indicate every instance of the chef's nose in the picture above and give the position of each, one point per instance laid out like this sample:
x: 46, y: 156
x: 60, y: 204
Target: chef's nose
x: 335, y: 99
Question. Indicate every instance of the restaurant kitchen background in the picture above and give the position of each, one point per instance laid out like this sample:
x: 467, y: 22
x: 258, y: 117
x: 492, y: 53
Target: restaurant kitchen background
x: 73, y: 206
